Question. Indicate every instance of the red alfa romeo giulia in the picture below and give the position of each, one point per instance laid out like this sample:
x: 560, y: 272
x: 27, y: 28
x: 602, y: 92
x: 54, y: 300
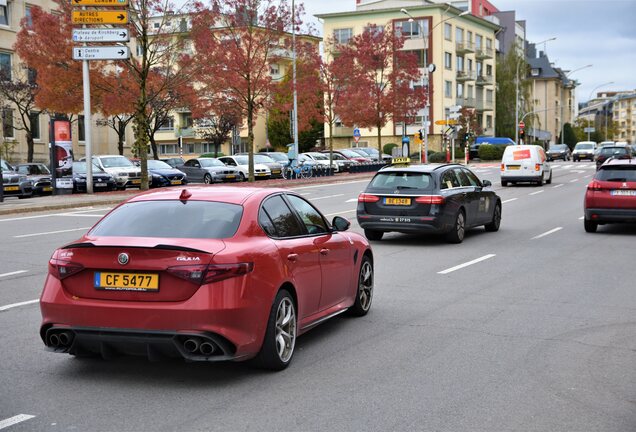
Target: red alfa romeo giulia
x: 206, y: 274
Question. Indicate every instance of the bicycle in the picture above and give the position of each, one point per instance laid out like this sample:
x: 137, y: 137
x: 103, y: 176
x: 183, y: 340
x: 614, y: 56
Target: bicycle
x: 291, y: 171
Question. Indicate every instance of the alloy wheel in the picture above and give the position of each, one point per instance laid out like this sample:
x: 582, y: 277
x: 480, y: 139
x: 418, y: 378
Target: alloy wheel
x: 285, y: 329
x: 365, y: 285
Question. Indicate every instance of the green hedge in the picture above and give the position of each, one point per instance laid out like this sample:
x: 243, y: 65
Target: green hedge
x: 388, y: 148
x: 488, y: 152
x: 437, y: 157
x: 207, y: 155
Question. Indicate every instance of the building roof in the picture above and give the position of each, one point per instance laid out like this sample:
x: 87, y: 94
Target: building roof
x: 546, y: 71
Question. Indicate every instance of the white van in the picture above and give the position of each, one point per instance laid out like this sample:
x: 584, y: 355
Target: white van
x: 525, y: 163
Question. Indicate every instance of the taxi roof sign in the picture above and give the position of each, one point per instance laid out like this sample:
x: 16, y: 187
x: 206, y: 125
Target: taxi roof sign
x: 400, y: 160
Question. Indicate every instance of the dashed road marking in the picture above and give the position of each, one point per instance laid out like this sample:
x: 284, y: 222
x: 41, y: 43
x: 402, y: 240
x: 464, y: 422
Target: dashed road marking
x: 574, y: 180
x: 352, y: 200
x: 15, y: 420
x: 582, y: 217
x: 552, y: 231
x: 469, y: 263
x: 509, y: 200
x: 537, y: 192
x: 558, y: 186
x: 12, y: 273
x: 15, y: 305
x: 52, y: 232
x: 328, y: 196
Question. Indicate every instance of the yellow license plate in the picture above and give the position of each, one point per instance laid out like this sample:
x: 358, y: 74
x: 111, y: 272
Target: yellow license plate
x: 513, y: 167
x: 138, y: 181
x: 397, y: 201
x: 276, y: 172
x: 175, y: 182
x: 126, y: 281
x: 12, y: 188
x: 230, y: 176
x: 261, y: 174
x: 47, y: 189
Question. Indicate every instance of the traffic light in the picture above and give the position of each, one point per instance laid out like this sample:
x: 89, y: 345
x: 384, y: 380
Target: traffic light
x: 421, y: 135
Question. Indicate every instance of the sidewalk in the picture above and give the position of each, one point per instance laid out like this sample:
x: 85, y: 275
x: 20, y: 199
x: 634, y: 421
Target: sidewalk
x: 13, y: 205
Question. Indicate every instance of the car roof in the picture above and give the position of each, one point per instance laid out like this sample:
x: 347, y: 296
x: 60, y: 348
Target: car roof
x: 619, y: 162
x: 418, y: 168
x: 228, y: 194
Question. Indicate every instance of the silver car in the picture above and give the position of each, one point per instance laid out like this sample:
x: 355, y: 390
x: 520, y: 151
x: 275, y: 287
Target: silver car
x: 15, y: 184
x: 274, y: 166
x: 208, y: 170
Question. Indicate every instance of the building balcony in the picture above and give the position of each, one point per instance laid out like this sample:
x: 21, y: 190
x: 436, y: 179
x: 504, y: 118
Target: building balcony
x: 484, y: 53
x: 464, y: 48
x: 465, y: 102
x: 484, y: 105
x: 484, y: 80
x: 466, y: 75
x: 342, y: 131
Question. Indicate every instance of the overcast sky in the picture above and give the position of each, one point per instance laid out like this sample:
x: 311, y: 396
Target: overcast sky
x: 597, y: 32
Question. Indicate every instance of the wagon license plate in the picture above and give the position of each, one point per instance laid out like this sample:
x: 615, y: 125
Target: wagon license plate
x: 138, y: 181
x: 175, y: 182
x: 623, y: 192
x: 100, y: 184
x: 513, y: 167
x: 47, y: 188
x: 276, y: 172
x: 126, y: 281
x: 397, y: 201
x: 261, y: 174
x: 230, y: 176
x: 12, y: 188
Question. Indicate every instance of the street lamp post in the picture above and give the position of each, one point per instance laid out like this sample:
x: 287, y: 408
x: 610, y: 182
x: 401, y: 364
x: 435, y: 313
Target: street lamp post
x: 427, y: 68
x: 588, y: 102
x: 563, y: 122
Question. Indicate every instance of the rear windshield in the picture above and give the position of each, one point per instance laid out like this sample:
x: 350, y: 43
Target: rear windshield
x: 171, y: 219
x: 584, y: 147
x: 558, y: 147
x: 613, y: 151
x: 616, y: 173
x: 402, y: 180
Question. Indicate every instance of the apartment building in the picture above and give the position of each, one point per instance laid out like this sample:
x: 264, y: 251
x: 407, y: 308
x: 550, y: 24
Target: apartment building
x: 624, y: 117
x: 461, y: 47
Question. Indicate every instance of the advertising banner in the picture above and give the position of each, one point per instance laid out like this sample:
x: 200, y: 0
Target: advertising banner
x: 63, y: 148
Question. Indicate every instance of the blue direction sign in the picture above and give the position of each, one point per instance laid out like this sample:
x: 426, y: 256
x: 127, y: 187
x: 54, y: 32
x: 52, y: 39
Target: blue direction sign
x: 356, y: 133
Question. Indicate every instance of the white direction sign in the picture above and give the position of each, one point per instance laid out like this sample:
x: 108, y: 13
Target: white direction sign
x: 101, y: 35
x: 101, y: 53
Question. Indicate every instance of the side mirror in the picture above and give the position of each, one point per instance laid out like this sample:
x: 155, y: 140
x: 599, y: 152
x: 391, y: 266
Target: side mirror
x: 486, y: 183
x: 340, y: 224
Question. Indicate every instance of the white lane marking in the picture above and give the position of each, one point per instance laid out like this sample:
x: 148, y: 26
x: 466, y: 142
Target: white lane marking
x: 574, y: 180
x: 537, y: 192
x: 15, y: 420
x: 509, y: 200
x: 469, y: 263
x: 330, y: 184
x: 577, y: 171
x: 352, y: 200
x: 341, y: 212
x: 328, y: 196
x: 558, y: 186
x: 566, y: 166
x: 588, y: 176
x: 53, y: 214
x: 52, y: 232
x: 582, y: 217
x: 552, y: 231
x: 82, y: 215
x: 13, y: 273
x: 15, y: 305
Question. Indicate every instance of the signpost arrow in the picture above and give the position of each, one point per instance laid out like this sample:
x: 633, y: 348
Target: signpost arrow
x: 99, y: 17
x: 101, y: 35
x: 101, y: 53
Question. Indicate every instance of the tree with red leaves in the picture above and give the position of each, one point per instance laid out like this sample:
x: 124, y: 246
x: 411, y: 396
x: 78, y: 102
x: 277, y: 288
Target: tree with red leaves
x: 238, y: 40
x: 379, y: 88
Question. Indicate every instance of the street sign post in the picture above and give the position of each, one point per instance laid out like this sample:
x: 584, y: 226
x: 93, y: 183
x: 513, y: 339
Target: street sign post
x: 99, y: 17
x: 105, y: 3
x: 589, y: 130
x: 450, y: 122
x: 101, y: 35
x: 101, y: 53
x: 356, y: 135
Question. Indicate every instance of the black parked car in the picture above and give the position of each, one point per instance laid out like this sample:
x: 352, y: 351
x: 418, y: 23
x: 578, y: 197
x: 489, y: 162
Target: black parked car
x: 102, y: 181
x: 39, y: 174
x: 161, y: 174
x: 445, y: 199
x: 174, y: 161
x: 559, y: 151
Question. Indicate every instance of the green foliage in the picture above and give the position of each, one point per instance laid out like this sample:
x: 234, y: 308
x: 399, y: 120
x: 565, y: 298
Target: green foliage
x: 388, y: 148
x: 309, y: 139
x: 569, y: 137
x: 506, y: 93
x: 278, y: 132
x: 212, y: 155
x: 488, y: 152
x: 437, y: 157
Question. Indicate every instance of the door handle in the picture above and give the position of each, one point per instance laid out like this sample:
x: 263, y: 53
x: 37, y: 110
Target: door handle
x: 324, y: 251
x: 292, y: 257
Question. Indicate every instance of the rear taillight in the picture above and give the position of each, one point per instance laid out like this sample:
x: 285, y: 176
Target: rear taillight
x: 204, y: 274
x: 537, y: 167
x: 595, y: 186
x: 367, y: 198
x: 430, y: 199
x: 62, y: 269
x: 503, y: 167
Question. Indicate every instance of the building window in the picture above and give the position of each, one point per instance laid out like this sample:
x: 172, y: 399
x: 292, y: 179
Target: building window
x: 168, y: 149
x: 27, y: 15
x: 489, y: 70
x: 469, y: 92
x: 412, y: 30
x: 489, y: 43
x: 156, y: 25
x: 488, y: 121
x: 459, y: 35
x: 5, y: 66
x: 469, y: 37
x: 489, y: 95
x: 448, y: 31
x: 7, y: 123
x: 448, y: 89
x: 186, y: 120
x: 420, y: 55
x: 140, y: 51
x: 478, y: 42
x: 460, y: 64
x: 470, y: 65
x: 480, y: 68
x: 342, y: 36
x: 168, y: 124
x: 274, y: 70
x: 34, y: 119
x: 80, y: 129
x: 460, y: 90
x: 448, y: 61
x: 4, y: 14
x: 32, y: 76
x: 374, y: 29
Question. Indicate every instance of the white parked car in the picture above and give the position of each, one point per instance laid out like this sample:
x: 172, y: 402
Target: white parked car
x: 126, y: 173
x: 240, y: 163
x: 322, y: 159
x: 525, y: 163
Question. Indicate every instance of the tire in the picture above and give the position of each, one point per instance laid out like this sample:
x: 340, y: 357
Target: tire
x: 207, y: 179
x: 306, y: 172
x: 373, y: 234
x: 364, y: 292
x: 287, y: 173
x: 280, y: 336
x: 590, y: 226
x: 504, y: 183
x: 456, y: 234
x: 241, y: 177
x: 493, y: 226
x: 549, y: 181
x: 540, y: 181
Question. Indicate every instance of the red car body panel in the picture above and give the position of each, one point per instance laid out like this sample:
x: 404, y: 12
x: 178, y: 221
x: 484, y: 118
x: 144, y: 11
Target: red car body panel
x: 236, y: 308
x: 611, y: 201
